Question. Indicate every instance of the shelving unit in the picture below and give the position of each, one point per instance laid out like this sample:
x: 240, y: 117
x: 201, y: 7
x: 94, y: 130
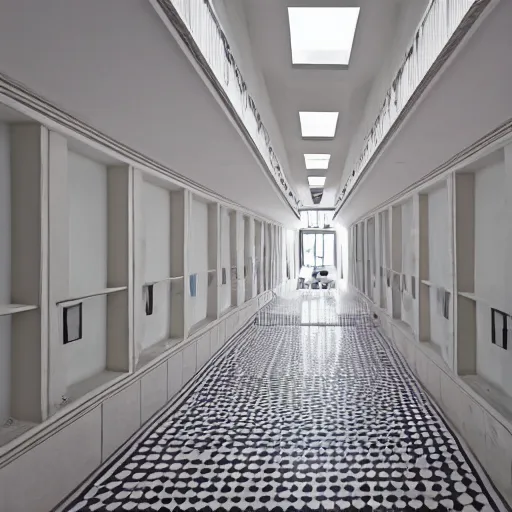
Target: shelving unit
x: 160, y: 215
x: 249, y: 258
x: 258, y: 259
x: 106, y: 291
x: 12, y: 309
x: 482, y: 213
x: 236, y: 244
x: 85, y: 239
x: 90, y: 268
x: 23, y: 171
x: 225, y: 293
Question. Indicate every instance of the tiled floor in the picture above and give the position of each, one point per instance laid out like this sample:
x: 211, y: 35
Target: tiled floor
x: 296, y: 415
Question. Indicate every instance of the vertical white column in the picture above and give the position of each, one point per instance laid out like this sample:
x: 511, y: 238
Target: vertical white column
x: 139, y: 264
x: 396, y: 259
x: 259, y: 257
x: 252, y: 259
x: 58, y: 265
x: 378, y: 261
x: 214, y: 263
x: 29, y: 245
x: 450, y: 347
x: 366, y: 257
x: 180, y: 219
x: 240, y: 258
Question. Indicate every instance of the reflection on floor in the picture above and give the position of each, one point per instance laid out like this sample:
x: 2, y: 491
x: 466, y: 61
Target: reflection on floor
x: 294, y: 417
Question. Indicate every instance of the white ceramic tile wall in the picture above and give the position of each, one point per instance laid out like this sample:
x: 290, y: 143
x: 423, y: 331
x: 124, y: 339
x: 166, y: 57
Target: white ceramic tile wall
x: 121, y: 418
x: 153, y: 391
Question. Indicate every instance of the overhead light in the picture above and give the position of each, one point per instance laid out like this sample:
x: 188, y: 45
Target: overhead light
x: 318, y: 124
x: 317, y: 160
x: 316, y: 181
x: 322, y: 35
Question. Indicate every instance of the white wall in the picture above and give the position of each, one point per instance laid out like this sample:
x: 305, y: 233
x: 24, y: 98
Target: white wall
x: 198, y: 259
x: 408, y: 261
x: 492, y: 263
x: 87, y: 182
x: 157, y: 260
x: 439, y: 268
x: 5, y: 272
x: 225, y: 259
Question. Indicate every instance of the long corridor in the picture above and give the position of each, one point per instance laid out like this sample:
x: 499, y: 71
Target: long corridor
x: 310, y: 408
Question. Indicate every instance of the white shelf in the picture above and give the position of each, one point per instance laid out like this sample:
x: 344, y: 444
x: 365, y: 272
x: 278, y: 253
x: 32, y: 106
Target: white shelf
x: 434, y: 285
x: 11, y: 309
x: 13, y: 429
x: 155, y: 350
x: 165, y: 280
x: 106, y: 291
x: 492, y: 395
x: 81, y: 388
x: 470, y: 296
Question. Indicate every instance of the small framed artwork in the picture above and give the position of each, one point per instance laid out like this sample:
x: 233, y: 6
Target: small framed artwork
x: 193, y: 285
x: 149, y: 300
x: 224, y: 276
x: 72, y: 323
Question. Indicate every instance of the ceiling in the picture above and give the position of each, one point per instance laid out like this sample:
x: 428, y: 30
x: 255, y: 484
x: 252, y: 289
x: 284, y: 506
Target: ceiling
x: 293, y: 89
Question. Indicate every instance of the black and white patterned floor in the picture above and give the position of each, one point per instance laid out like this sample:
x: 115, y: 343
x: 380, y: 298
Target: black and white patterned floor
x: 296, y: 418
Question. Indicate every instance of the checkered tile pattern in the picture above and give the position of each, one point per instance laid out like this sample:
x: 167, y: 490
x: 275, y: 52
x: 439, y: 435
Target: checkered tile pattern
x: 296, y: 418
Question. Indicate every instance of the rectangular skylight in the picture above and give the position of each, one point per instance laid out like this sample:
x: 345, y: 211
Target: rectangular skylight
x: 322, y: 35
x: 316, y: 181
x: 318, y: 124
x: 317, y: 160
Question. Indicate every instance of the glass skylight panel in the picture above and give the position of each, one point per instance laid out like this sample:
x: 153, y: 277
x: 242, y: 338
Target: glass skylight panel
x: 322, y: 35
x: 316, y: 181
x: 317, y: 160
x: 318, y: 124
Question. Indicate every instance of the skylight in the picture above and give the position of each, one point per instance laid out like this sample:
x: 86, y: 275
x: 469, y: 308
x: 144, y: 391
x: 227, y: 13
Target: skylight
x: 316, y: 181
x: 317, y: 160
x: 318, y: 124
x: 322, y: 35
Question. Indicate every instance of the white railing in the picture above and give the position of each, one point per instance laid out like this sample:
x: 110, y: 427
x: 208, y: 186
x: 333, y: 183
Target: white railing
x: 439, y: 23
x: 202, y: 25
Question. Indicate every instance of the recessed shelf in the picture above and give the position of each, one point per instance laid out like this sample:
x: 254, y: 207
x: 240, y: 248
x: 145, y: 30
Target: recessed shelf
x: 155, y: 350
x: 166, y: 279
x: 13, y: 429
x: 81, y: 388
x: 470, y: 296
x: 106, y: 291
x: 494, y: 396
x: 434, y: 285
x: 11, y: 309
